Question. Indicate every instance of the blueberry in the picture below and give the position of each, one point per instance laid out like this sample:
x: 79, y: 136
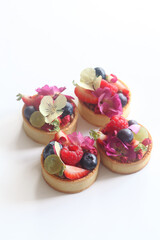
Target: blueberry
x: 100, y: 71
x: 49, y: 149
x: 89, y: 161
x: 67, y: 110
x: 131, y: 122
x: 125, y: 135
x: 123, y: 99
x: 28, y: 111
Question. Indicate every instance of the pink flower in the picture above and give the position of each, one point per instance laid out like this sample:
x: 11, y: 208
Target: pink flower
x: 46, y: 90
x: 108, y: 105
x: 114, y: 79
x: 114, y: 147
x: 85, y: 142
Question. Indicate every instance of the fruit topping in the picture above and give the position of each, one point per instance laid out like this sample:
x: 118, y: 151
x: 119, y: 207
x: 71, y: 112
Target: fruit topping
x: 62, y: 138
x: 31, y: 100
x: 125, y: 135
x: 67, y: 110
x: 111, y: 78
x: 51, y: 109
x: 123, y: 99
x: 131, y: 122
x: 47, y: 127
x: 37, y: 119
x: 141, y: 135
x: 89, y: 161
x: 73, y: 173
x: 28, y: 111
x: 53, y: 164
x: 85, y: 95
x: 116, y: 123
x: 112, y: 87
x: 71, y: 154
x: 65, y: 120
x: 100, y: 72
x: 49, y: 149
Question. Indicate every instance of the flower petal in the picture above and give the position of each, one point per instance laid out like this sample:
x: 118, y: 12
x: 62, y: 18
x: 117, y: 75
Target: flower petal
x: 60, y: 102
x: 46, y: 106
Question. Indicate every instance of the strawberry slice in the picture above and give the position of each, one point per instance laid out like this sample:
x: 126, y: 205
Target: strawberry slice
x: 85, y: 95
x: 62, y: 138
x: 112, y: 87
x: 34, y: 100
x: 73, y: 173
x: 122, y: 88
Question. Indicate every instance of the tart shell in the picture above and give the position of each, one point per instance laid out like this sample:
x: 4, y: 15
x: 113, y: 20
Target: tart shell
x: 70, y: 186
x: 43, y: 137
x: 100, y: 120
x: 124, y: 168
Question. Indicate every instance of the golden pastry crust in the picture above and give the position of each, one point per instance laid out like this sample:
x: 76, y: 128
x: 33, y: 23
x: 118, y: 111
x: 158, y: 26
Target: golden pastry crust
x: 124, y: 168
x: 44, y: 137
x: 70, y: 186
x: 100, y: 120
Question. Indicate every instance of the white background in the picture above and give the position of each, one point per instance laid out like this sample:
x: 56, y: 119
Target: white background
x: 50, y: 42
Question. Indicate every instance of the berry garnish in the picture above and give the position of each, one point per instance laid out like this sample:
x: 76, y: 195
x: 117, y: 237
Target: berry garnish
x: 85, y: 95
x: 65, y: 120
x: 122, y: 88
x: 37, y: 119
x: 123, y: 99
x: 141, y: 135
x: 131, y: 122
x: 28, y: 111
x: 116, y: 123
x: 112, y: 87
x: 73, y: 173
x: 47, y: 127
x: 62, y: 138
x: 49, y: 149
x: 89, y: 161
x: 31, y: 100
x: 71, y: 155
x: 100, y: 72
x: 125, y: 135
x: 67, y: 110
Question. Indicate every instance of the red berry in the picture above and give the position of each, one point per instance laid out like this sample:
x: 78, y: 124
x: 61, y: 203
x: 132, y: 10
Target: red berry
x: 65, y: 120
x: 72, y: 154
x: 34, y: 100
x: 85, y: 95
x: 122, y: 88
x: 62, y: 138
x: 112, y: 87
x: 116, y: 123
x: 46, y: 127
x: 73, y: 173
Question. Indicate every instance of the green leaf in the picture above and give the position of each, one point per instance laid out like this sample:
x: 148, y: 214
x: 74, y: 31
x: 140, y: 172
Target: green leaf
x: 19, y: 96
x: 74, y: 83
x: 56, y: 125
x: 94, y: 134
x: 140, y: 146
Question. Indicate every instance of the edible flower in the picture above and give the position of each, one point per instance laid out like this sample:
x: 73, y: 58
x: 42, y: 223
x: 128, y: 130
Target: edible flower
x: 51, y: 109
x: 78, y: 139
x: 111, y: 78
x: 114, y: 147
x: 46, y: 90
x: 108, y: 105
x: 89, y: 80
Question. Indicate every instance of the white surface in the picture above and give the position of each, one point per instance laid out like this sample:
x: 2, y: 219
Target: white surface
x: 51, y: 42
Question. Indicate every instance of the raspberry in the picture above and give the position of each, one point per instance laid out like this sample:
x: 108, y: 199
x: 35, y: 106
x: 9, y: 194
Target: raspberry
x: 71, y: 155
x: 46, y: 127
x: 65, y: 120
x: 116, y: 123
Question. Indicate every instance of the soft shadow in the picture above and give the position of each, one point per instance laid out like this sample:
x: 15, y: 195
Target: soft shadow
x: 83, y: 126
x: 106, y: 174
x: 43, y: 190
x: 22, y: 141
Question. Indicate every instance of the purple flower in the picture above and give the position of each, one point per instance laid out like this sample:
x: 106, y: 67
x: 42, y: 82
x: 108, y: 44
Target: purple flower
x: 84, y: 142
x: 46, y: 90
x: 114, y: 147
x: 108, y: 105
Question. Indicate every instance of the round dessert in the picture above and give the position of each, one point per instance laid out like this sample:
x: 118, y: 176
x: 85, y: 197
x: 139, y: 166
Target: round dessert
x: 101, y: 96
x: 70, y: 162
x: 47, y: 112
x: 124, y: 146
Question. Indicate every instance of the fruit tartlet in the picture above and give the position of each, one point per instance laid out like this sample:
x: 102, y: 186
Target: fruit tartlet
x: 124, y: 146
x: 47, y: 112
x: 70, y: 162
x: 101, y: 96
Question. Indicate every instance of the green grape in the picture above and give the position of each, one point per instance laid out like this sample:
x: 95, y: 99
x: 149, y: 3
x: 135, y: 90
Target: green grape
x: 141, y: 135
x: 37, y: 119
x: 53, y: 164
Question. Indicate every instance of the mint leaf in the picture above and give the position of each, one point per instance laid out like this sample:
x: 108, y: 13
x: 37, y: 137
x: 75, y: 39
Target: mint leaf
x: 94, y: 134
x: 140, y: 146
x: 56, y: 126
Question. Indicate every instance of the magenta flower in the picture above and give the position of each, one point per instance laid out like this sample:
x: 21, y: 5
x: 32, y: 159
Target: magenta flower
x: 46, y: 90
x: 114, y: 78
x: 114, y: 147
x: 108, y: 105
x: 78, y: 139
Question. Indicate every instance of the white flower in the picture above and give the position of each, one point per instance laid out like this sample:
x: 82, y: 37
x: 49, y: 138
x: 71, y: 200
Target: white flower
x: 89, y: 80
